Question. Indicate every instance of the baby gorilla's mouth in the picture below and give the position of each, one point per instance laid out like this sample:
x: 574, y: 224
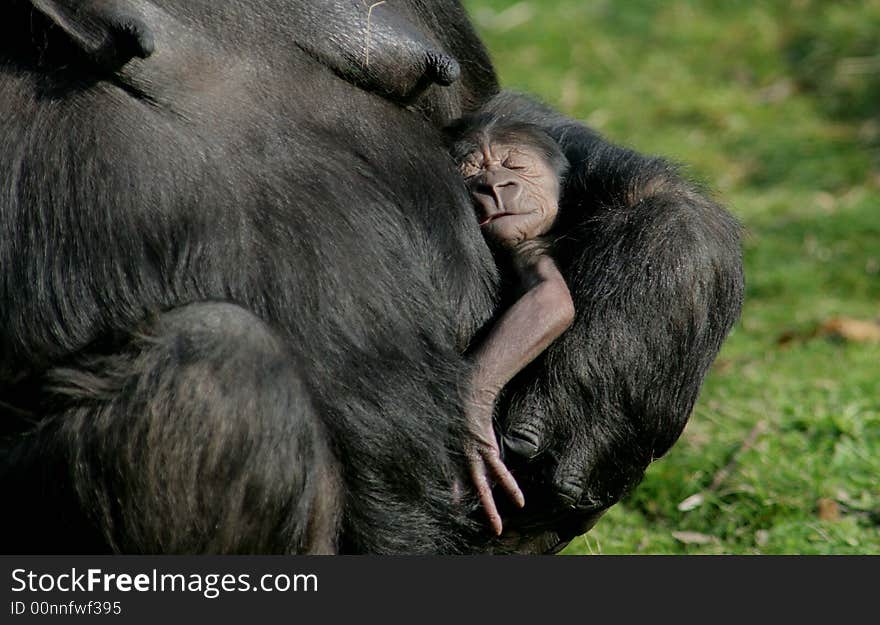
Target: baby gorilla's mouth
x: 492, y: 218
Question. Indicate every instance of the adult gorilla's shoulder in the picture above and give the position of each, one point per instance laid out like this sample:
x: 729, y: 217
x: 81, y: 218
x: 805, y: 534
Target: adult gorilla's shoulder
x: 238, y: 284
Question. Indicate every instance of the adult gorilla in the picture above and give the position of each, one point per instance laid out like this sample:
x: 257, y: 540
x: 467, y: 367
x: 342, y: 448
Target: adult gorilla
x: 239, y: 277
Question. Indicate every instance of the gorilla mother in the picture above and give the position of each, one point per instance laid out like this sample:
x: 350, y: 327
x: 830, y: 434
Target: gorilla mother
x: 240, y: 275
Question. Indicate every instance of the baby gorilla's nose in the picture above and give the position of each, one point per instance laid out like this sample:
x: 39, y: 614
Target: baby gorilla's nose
x: 497, y: 194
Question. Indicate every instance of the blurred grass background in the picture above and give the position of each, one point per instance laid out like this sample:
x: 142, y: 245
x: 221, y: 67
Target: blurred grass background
x: 776, y: 106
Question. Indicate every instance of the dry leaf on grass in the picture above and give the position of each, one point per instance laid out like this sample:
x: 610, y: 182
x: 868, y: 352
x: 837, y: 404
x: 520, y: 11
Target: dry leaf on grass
x: 843, y: 328
x: 694, y: 538
x: 849, y: 329
x: 692, y: 503
x: 828, y: 509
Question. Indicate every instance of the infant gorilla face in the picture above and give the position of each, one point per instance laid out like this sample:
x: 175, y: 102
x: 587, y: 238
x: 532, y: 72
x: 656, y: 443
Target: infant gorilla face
x: 515, y: 191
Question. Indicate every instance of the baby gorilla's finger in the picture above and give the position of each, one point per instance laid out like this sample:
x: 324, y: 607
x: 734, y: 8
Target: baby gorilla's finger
x: 480, y: 477
x: 504, y: 477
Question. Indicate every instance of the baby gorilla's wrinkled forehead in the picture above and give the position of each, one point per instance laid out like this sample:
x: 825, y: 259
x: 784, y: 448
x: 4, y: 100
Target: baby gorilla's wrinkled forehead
x: 472, y: 136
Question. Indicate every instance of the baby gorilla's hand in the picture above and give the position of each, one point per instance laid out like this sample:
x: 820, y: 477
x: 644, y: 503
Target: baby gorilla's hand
x: 484, y: 458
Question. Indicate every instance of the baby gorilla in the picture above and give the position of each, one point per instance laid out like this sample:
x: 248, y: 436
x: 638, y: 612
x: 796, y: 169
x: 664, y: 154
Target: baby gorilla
x: 514, y: 172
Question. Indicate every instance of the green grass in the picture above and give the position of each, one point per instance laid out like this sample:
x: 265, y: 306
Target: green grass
x: 776, y: 105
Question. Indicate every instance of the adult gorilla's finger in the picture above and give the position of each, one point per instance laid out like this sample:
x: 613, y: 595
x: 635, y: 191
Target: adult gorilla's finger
x: 526, y: 437
x: 570, y: 479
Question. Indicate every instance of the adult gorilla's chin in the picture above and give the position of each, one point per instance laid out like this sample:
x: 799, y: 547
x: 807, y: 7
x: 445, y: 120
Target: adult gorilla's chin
x: 240, y: 280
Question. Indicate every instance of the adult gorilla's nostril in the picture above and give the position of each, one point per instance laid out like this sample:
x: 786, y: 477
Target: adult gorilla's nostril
x: 443, y: 69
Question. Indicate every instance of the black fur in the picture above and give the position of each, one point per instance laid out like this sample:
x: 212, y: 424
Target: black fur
x: 237, y: 288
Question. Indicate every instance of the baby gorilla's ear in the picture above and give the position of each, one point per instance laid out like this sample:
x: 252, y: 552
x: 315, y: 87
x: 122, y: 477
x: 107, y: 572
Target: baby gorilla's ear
x: 110, y: 32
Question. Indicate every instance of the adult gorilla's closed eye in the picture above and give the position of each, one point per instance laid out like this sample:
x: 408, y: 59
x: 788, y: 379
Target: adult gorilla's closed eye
x: 228, y: 326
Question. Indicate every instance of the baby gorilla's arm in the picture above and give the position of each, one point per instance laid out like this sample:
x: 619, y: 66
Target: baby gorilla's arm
x: 522, y: 333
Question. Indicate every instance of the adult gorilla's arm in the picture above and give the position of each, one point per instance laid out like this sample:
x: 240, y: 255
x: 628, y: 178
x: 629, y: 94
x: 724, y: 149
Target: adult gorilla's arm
x: 655, y: 270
